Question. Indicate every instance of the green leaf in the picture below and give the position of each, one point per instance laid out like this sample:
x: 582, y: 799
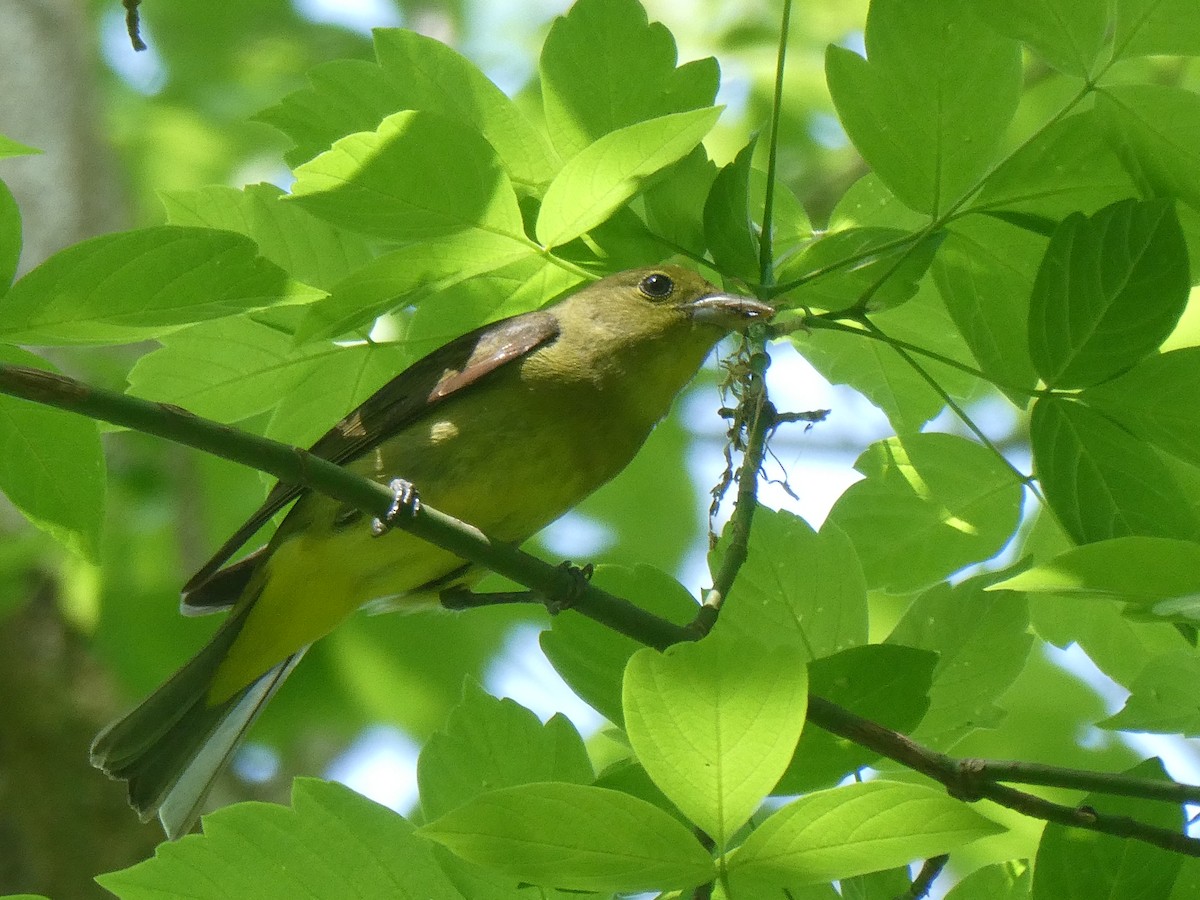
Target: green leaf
x: 853, y: 830
x: 881, y: 374
x: 1162, y: 698
x: 330, y: 843
x: 930, y: 504
x: 120, y: 288
x: 10, y: 237
x: 868, y: 203
x: 474, y: 752
x: 1002, y: 881
x: 310, y: 250
x: 1068, y: 34
x: 1109, y: 290
x: 797, y: 588
x: 1073, y: 864
x: 675, y: 202
x: 229, y: 369
x: 1143, y: 570
x: 1155, y: 129
x: 1156, y: 401
x: 604, y: 175
x: 9, y: 147
x: 52, y: 465
x: 1100, y: 481
x: 728, y: 221
x: 418, y: 73
x: 592, y: 658
x: 928, y: 106
x: 430, y: 76
x: 394, y: 182
x: 885, y: 683
x: 1156, y: 27
x: 715, y: 724
x: 982, y: 643
x: 843, y: 268
x: 1069, y: 167
x: 604, y: 66
x: 574, y: 837
x: 406, y: 276
x: 984, y: 272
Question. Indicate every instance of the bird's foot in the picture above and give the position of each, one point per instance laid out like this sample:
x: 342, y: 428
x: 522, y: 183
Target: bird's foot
x: 574, y: 581
x: 404, y: 500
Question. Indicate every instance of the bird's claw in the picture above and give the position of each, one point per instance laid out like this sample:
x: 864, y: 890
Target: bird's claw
x: 404, y: 500
x: 575, y: 579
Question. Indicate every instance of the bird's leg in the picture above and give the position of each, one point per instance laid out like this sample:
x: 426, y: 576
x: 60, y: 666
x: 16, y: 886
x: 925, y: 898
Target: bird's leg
x: 404, y: 500
x: 574, y: 578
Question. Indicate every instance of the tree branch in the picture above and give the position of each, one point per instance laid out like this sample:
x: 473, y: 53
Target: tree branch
x: 295, y: 466
x: 969, y: 780
x: 962, y: 780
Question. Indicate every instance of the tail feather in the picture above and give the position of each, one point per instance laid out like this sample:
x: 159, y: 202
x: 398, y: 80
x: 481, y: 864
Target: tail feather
x: 171, y: 748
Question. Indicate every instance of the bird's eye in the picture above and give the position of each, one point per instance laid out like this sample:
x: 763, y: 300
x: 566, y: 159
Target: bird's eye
x: 657, y: 286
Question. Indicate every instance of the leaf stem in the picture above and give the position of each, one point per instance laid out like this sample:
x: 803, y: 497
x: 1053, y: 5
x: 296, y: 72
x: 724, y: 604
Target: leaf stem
x: 766, y: 244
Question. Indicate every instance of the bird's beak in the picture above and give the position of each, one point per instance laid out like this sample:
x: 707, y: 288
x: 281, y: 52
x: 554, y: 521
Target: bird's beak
x: 729, y: 311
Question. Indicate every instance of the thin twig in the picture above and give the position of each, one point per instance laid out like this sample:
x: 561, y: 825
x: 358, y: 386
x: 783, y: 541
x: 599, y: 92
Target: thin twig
x: 964, y: 784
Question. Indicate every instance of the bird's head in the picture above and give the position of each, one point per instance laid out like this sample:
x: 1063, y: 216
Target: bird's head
x: 666, y: 302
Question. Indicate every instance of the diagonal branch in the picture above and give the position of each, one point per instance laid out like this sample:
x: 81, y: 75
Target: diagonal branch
x: 296, y: 466
x: 968, y: 780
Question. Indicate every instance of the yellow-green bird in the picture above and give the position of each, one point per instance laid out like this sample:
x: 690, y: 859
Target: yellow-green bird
x: 507, y: 428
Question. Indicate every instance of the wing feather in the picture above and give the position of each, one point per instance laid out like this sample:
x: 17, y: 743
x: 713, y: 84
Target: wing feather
x: 418, y: 390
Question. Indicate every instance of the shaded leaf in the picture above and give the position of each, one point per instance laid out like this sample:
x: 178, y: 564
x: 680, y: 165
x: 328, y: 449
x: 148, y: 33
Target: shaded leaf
x: 930, y: 504
x: 604, y: 66
x: 51, y: 465
x: 310, y: 250
x: 592, y: 658
x: 930, y: 103
x: 885, y: 683
x: 1068, y: 34
x: 1154, y: 27
x: 1072, y: 864
x: 1100, y: 481
x: 982, y: 643
x: 797, y: 588
x: 1156, y: 401
x: 473, y: 753
x: 1109, y: 290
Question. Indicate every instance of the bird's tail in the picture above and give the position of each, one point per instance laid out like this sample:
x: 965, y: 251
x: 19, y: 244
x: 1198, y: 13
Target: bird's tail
x: 171, y: 748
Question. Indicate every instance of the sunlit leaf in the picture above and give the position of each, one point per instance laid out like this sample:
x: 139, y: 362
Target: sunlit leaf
x: 133, y: 285
x: 715, y: 723
x: 575, y: 837
x: 852, y: 830
x: 607, y: 173
x: 330, y: 842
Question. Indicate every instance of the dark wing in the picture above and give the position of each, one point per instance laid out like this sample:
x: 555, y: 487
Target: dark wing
x: 421, y: 387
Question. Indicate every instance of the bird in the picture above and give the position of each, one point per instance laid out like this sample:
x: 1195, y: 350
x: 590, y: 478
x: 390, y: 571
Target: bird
x: 506, y: 427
